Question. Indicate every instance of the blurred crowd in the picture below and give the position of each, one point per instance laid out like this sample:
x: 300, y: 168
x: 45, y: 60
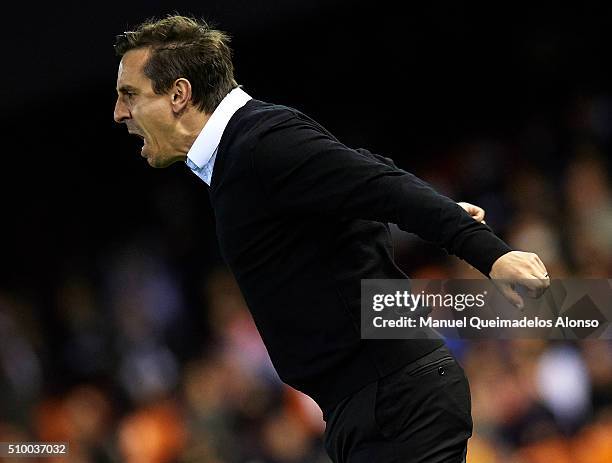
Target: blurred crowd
x: 138, y: 363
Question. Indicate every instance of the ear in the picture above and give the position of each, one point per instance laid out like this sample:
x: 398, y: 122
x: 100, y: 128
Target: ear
x: 180, y: 94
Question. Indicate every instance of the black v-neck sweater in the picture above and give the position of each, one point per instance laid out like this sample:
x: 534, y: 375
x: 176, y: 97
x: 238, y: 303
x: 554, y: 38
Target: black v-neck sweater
x: 301, y: 219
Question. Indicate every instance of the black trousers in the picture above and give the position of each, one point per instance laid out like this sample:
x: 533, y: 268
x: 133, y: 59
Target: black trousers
x: 420, y: 413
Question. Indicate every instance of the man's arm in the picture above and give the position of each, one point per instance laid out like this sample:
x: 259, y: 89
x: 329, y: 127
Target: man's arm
x: 476, y: 212
x: 304, y: 169
x: 516, y: 266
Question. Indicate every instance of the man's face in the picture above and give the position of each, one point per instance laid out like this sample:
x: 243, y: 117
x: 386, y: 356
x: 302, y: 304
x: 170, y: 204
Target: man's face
x: 145, y: 113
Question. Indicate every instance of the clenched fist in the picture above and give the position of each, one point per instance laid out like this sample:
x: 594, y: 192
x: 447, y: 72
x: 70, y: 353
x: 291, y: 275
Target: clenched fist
x: 476, y: 212
x: 523, y: 268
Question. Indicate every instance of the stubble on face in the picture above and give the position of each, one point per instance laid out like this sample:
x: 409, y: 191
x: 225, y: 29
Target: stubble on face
x: 147, y: 114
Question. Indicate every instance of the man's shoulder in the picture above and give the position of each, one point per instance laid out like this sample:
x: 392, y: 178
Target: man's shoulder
x: 260, y: 113
x: 262, y: 117
x: 250, y: 123
x: 263, y: 126
x: 256, y: 118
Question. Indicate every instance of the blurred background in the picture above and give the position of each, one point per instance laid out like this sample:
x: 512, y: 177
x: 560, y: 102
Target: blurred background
x: 121, y: 331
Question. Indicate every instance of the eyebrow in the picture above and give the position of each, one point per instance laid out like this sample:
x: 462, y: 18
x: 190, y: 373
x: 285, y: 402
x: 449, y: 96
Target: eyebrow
x: 126, y: 88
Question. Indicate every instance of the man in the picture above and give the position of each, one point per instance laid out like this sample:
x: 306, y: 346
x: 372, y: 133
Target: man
x: 301, y: 219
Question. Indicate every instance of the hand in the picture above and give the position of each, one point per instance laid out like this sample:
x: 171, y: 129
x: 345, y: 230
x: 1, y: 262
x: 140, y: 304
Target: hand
x: 524, y: 268
x: 476, y: 212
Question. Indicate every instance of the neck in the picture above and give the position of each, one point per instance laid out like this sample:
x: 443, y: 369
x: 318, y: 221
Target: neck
x: 188, y: 128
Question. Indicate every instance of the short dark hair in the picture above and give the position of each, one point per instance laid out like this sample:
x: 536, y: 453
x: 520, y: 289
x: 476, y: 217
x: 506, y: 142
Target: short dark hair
x: 188, y: 48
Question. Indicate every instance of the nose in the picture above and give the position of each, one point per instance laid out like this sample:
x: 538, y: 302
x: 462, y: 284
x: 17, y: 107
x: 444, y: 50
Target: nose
x: 121, y: 111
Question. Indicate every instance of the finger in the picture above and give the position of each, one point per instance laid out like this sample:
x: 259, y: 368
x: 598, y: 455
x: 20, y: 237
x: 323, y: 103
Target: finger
x: 535, y: 293
x: 471, y: 209
x: 512, y: 296
x: 535, y: 285
x: 539, y: 271
x: 534, y: 261
x: 541, y: 266
x: 545, y: 279
x: 476, y: 213
x: 534, y: 267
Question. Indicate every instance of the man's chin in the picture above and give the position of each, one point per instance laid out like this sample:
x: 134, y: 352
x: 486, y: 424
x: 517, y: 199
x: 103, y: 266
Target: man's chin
x: 157, y: 162
x: 153, y: 162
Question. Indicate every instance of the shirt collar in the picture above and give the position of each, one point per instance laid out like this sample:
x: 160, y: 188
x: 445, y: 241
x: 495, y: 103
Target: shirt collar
x: 208, y: 140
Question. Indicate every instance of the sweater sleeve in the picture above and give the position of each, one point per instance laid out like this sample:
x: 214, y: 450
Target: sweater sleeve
x: 305, y: 170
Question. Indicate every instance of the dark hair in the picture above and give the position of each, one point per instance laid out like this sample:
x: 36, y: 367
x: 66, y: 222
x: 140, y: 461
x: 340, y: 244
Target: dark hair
x: 187, y: 48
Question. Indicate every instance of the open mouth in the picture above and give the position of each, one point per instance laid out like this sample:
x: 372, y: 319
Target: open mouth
x: 140, y: 136
x: 137, y: 135
x: 144, y: 141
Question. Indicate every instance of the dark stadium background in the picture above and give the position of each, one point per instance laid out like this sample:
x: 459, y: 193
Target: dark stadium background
x: 496, y: 105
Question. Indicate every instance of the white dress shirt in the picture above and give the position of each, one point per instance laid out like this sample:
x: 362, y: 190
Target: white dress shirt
x: 202, y: 154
